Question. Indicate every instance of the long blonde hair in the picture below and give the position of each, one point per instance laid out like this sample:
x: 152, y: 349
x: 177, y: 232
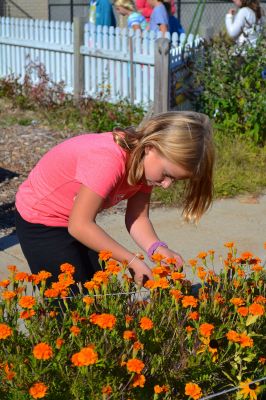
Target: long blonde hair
x: 127, y: 4
x: 183, y: 138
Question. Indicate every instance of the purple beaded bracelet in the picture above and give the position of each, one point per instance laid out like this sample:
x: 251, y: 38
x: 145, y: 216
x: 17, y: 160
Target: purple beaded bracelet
x: 154, y: 246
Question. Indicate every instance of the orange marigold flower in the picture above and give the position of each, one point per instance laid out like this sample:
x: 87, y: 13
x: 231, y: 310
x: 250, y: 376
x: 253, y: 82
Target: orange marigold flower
x: 206, y: 329
x: 245, y: 340
x: 21, y: 276
x: 201, y: 273
x: 157, y: 257
x: 192, y: 262
x: 26, y: 314
x: 59, y: 343
x: 27, y: 302
x: 189, y: 329
x: 229, y: 244
x: 5, y: 331
x: 101, y: 277
x: 256, y: 268
x: 104, y: 255
x: 88, y: 300
x: 211, y: 252
x: 67, y: 268
x: 8, y: 371
x: 176, y: 276
x: 44, y: 275
x: 260, y: 299
x: 42, y: 351
x: 137, y: 345
x: 139, y: 380
x: 262, y: 360
x: 146, y: 323
x: 38, y: 390
x: 53, y: 313
x: 150, y: 284
x: 113, y: 268
x: 202, y: 255
x: 171, y: 261
x: 232, y: 336
x: 104, y: 321
x: 193, y: 390
x: 158, y: 389
x: 51, y: 293
x: 128, y: 319
x: 237, y: 301
x: 135, y: 365
x: 189, y: 301
x: 162, y: 283
x: 91, y: 285
x: 107, y: 390
x: 194, y: 315
x: 86, y: 356
x: 177, y: 294
x: 129, y: 335
x: 65, y: 280
x: 12, y: 268
x: 241, y: 273
x: 75, y: 330
x: 246, y: 255
x: 243, y: 311
x: 8, y: 295
x: 219, y: 299
x: 5, y: 283
x: 256, y: 309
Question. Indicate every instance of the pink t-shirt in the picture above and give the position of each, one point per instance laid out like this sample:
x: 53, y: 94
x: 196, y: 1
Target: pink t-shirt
x: 94, y: 160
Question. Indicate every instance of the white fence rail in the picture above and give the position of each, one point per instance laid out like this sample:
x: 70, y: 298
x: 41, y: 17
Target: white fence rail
x: 119, y: 62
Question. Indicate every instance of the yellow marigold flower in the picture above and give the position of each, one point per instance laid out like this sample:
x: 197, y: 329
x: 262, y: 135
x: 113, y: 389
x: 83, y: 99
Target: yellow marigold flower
x: 139, y: 381
x: 189, y: 301
x: 27, y: 302
x: 237, y: 301
x: 86, y: 356
x: 193, y: 390
x: 243, y: 311
x: 26, y: 314
x: 245, y: 340
x: 8, y: 295
x: 21, y: 276
x: 206, y: 329
x: 38, y: 390
x: 129, y: 335
x: 44, y: 275
x: 202, y: 255
x: 135, y: 365
x: 146, y: 323
x: 249, y: 390
x: 107, y: 390
x: 256, y: 309
x: 5, y: 331
x: 42, y: 351
x: 104, y: 255
x: 104, y: 321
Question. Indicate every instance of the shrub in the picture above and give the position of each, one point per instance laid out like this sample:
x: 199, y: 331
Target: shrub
x: 112, y: 341
x: 234, y: 88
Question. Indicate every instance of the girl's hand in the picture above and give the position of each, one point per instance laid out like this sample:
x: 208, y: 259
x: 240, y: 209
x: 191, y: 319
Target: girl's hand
x: 140, y: 272
x: 168, y: 253
x: 231, y: 11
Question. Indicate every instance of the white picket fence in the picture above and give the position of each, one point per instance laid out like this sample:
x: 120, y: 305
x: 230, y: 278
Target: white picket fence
x: 119, y: 62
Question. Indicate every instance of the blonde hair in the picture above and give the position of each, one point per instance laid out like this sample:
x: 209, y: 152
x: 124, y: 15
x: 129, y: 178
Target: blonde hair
x: 183, y: 138
x: 127, y: 4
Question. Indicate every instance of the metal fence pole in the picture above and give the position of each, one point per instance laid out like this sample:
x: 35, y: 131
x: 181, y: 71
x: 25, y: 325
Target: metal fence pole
x: 78, y: 58
x: 161, y: 75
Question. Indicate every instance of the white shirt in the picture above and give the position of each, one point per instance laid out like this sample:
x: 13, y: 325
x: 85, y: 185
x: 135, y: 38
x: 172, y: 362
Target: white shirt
x: 243, y: 27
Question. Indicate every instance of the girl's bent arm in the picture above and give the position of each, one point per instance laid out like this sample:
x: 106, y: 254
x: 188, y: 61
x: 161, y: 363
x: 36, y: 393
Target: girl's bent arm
x: 137, y: 220
x: 82, y: 226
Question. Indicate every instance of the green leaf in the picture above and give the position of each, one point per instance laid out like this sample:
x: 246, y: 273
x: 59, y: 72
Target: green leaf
x: 251, y: 319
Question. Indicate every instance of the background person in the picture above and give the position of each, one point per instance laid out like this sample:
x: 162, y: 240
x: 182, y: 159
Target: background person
x: 101, y: 13
x: 135, y: 19
x: 159, y: 20
x: 145, y: 9
x: 245, y: 24
x: 58, y: 203
x: 174, y: 23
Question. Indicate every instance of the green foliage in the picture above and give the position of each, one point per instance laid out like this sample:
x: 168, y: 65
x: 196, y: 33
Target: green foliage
x: 234, y: 90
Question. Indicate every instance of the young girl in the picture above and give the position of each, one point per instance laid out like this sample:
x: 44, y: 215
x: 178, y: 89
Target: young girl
x: 245, y: 25
x: 159, y: 17
x: 134, y: 19
x: 58, y: 204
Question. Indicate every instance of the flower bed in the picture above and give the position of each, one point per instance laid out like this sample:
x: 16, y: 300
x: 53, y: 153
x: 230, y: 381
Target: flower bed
x: 172, y: 342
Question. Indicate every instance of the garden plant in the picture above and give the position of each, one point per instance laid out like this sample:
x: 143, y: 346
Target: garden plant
x: 175, y: 339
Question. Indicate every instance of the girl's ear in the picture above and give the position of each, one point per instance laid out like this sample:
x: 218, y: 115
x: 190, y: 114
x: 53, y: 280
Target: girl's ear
x: 147, y: 149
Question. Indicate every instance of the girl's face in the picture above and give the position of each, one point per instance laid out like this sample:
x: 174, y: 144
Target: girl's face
x: 158, y: 171
x: 152, y: 3
x: 237, y: 3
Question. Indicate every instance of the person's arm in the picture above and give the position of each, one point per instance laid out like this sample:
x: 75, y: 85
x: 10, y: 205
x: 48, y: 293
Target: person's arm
x: 234, y: 25
x: 82, y: 226
x: 140, y: 227
x: 163, y: 28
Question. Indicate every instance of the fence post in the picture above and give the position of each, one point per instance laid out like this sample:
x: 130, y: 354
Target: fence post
x: 78, y: 58
x: 161, y: 75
